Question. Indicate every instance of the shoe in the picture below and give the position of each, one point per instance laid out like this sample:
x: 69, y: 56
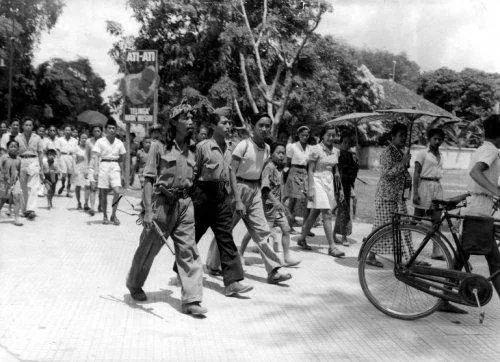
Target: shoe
x: 79, y: 206
x: 335, y: 252
x: 86, y: 207
x: 18, y: 223
x: 115, y: 220
x: 91, y: 212
x: 68, y: 195
x: 105, y: 220
x: 311, y: 234
x: 303, y: 244
x: 291, y: 262
x: 138, y: 294
x: 237, y: 288
x: 30, y: 215
x: 275, y: 277
x: 213, y: 272
x: 194, y: 309
x: 447, y: 307
x: 60, y: 190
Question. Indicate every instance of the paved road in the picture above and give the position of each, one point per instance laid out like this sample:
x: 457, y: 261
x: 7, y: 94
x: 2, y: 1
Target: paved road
x: 63, y: 298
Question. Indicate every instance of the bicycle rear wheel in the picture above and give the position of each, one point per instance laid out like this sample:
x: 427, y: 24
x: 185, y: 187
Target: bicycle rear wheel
x: 379, y: 283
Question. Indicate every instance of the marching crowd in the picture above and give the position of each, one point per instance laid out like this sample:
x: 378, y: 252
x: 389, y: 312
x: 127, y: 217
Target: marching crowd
x: 193, y: 181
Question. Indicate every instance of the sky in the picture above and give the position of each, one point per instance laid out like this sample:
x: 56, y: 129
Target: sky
x: 434, y: 33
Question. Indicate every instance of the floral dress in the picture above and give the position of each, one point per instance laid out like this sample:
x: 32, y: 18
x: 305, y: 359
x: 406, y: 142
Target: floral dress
x: 323, y: 160
x: 394, y: 178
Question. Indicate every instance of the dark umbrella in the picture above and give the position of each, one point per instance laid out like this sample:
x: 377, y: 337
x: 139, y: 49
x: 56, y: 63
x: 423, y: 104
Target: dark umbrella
x: 92, y: 118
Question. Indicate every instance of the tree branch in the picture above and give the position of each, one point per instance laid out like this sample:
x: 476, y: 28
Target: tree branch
x: 238, y: 112
x: 305, y: 39
x: 276, y: 79
x: 263, y: 24
x: 246, y: 83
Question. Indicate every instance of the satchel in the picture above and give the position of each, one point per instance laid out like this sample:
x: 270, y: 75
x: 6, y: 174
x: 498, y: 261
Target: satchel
x: 478, y: 235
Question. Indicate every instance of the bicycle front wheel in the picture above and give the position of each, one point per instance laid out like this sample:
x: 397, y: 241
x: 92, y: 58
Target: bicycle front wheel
x: 379, y: 283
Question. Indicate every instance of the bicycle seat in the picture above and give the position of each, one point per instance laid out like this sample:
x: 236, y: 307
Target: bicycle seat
x: 450, y: 203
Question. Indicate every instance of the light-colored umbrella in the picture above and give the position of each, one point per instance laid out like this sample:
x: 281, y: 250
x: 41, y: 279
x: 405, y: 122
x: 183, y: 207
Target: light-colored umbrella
x: 92, y: 118
x: 354, y: 119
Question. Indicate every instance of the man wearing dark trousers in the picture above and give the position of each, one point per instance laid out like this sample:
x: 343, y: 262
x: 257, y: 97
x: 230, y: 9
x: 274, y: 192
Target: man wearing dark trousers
x: 212, y: 203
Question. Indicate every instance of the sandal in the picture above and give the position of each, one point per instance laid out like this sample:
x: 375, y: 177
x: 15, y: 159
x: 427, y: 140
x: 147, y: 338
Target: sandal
x: 374, y: 262
x: 303, y: 244
x: 335, y: 252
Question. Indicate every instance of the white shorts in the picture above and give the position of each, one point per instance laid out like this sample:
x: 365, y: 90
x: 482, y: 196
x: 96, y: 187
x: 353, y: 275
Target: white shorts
x: 67, y: 164
x: 109, y: 175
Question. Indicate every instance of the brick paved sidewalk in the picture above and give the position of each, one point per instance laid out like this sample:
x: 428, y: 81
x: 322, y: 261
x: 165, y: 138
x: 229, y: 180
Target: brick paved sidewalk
x: 63, y: 298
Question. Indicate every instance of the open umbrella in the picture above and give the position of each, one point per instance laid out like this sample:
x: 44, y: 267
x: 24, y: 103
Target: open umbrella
x: 414, y: 115
x: 354, y: 119
x: 92, y: 118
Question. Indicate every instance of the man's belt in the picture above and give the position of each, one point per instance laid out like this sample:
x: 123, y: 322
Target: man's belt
x: 174, y: 192
x: 241, y: 179
x: 299, y: 166
x: 108, y: 160
x: 435, y: 179
x: 66, y: 153
x: 28, y: 156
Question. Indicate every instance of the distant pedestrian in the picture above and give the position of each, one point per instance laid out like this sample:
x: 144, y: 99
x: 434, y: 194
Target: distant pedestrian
x: 297, y: 180
x: 31, y: 154
x: 51, y: 173
x: 91, y: 189
x: 10, y: 134
x: 323, y: 160
x: 81, y: 169
x: 67, y: 146
x: 108, y: 152
x: 203, y: 132
x: 427, y: 179
x: 10, y: 186
x: 3, y: 128
x: 348, y: 167
x: 142, y: 156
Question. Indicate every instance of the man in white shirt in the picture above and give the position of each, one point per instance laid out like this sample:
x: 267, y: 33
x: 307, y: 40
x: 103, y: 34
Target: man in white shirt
x: 108, y: 152
x: 66, y: 146
x: 483, y: 185
x: 14, y: 131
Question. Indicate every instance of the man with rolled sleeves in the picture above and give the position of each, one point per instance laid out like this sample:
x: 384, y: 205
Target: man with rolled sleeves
x: 212, y: 203
x: 169, y: 173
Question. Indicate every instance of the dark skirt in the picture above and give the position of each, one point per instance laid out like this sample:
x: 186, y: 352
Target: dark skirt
x: 296, y: 183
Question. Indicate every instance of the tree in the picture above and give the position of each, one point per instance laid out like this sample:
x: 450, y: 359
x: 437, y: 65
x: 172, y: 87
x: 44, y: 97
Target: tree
x: 30, y: 19
x: 241, y: 54
x: 69, y: 88
x: 381, y: 64
x: 469, y: 93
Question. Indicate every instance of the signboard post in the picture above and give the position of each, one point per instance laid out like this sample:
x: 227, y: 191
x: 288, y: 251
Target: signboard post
x: 139, y: 88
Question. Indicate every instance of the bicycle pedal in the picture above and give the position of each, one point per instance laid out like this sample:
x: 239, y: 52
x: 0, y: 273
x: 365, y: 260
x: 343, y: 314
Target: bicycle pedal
x: 481, y: 310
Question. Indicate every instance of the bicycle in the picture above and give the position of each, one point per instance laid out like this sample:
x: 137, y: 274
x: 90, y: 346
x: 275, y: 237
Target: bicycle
x: 406, y: 268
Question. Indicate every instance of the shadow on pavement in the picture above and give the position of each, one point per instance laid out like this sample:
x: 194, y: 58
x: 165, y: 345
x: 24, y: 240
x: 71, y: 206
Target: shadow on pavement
x: 127, y: 300
x: 94, y: 222
x: 350, y: 261
x: 264, y: 280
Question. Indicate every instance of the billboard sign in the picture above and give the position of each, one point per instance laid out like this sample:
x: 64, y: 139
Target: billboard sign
x: 140, y: 86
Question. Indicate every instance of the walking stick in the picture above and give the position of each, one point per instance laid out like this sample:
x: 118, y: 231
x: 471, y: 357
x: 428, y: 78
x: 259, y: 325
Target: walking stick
x: 163, y: 237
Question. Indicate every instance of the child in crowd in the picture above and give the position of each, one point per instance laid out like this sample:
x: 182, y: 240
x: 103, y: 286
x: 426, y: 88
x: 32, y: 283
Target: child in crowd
x: 10, y: 187
x: 272, y: 196
x: 51, y: 174
x: 81, y: 169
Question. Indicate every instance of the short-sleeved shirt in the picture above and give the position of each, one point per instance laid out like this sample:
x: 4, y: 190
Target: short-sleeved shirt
x: 297, y: 154
x: 172, y: 167
x: 67, y: 147
x: 47, y: 168
x: 107, y: 150
x: 212, y: 163
x: 272, y: 178
x: 489, y: 155
x: 4, y: 140
x: 253, y: 159
x: 48, y: 143
x: 31, y: 147
x: 432, y: 166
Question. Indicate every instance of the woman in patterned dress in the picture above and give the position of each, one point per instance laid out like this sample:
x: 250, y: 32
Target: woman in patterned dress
x: 394, y: 179
x: 322, y: 163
